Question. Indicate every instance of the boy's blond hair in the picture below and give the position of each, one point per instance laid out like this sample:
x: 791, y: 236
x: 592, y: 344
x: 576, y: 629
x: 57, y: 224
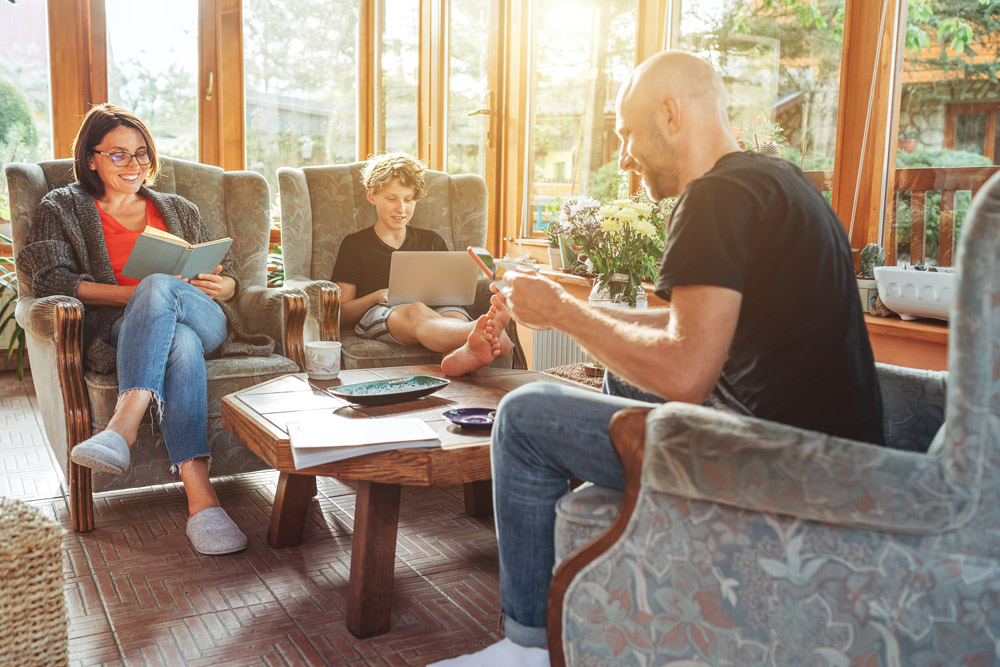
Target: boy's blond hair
x: 381, y: 169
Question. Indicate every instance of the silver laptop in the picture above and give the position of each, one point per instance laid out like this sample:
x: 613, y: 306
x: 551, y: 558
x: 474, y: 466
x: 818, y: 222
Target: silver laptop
x: 434, y: 278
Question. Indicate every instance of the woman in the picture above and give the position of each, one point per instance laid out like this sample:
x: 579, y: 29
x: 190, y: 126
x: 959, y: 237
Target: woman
x: 156, y: 332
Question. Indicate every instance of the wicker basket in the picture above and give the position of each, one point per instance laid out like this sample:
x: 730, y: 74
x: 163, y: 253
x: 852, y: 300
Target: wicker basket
x: 33, y: 621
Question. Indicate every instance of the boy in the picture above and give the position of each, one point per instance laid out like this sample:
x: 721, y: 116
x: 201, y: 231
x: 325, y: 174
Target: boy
x: 394, y: 182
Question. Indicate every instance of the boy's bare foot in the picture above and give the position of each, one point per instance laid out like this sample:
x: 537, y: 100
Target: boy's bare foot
x: 499, y: 318
x: 479, y: 350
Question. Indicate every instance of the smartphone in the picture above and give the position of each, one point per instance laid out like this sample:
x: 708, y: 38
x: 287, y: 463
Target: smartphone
x: 484, y: 259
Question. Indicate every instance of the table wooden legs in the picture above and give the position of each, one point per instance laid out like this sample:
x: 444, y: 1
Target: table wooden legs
x: 373, y: 554
x: 291, y: 502
x: 478, y: 498
x: 373, y: 547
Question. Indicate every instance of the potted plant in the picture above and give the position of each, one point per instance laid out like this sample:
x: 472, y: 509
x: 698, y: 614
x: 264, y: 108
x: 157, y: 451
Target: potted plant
x: 16, y: 344
x: 909, y: 140
x: 555, y: 252
x: 622, y: 241
x: 872, y: 255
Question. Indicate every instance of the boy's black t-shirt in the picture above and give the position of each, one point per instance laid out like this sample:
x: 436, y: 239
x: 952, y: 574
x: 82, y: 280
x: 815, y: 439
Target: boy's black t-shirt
x: 800, y: 354
x: 363, y: 259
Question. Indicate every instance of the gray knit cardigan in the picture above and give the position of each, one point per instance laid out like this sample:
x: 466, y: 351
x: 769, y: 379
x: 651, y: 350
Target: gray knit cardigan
x: 66, y: 245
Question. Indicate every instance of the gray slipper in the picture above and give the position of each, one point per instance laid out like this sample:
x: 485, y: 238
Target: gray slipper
x: 213, y: 533
x: 107, y: 451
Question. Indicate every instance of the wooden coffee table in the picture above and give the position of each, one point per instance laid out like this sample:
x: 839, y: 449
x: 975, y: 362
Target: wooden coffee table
x: 258, y: 416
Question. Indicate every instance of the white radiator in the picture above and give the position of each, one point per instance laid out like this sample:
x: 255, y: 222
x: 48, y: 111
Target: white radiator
x: 553, y: 348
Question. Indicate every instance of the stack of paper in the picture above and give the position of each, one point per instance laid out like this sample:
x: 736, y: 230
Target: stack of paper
x: 332, y: 438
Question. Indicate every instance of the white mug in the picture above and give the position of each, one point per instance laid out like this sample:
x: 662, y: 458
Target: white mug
x: 323, y: 359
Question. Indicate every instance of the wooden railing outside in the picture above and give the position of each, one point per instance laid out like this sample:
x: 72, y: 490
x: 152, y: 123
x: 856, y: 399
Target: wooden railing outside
x: 912, y: 188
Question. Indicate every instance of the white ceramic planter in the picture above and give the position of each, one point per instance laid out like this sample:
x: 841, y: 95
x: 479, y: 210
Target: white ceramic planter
x: 555, y: 258
x: 913, y: 294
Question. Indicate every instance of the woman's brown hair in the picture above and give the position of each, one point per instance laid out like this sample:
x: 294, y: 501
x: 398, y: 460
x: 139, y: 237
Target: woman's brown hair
x: 100, y: 120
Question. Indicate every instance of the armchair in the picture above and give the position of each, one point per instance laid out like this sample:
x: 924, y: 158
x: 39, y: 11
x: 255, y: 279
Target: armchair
x: 322, y: 205
x: 742, y: 541
x: 76, y: 403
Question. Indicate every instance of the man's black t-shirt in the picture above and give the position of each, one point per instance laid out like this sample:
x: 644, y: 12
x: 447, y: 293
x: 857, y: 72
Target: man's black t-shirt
x: 800, y: 354
x: 363, y: 259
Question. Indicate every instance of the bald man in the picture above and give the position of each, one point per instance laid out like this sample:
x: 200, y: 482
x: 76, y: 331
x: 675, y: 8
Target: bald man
x: 764, y: 319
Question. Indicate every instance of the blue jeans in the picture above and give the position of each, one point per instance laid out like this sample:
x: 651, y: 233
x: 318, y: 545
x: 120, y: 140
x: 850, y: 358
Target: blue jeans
x: 168, y: 328
x: 546, y: 433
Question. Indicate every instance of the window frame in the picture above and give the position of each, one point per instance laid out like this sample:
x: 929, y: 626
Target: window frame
x: 77, y: 31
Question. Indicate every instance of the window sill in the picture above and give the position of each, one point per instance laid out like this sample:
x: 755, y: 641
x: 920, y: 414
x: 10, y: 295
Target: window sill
x: 914, y: 344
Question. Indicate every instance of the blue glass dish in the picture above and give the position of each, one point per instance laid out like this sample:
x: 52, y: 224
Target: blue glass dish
x: 381, y: 392
x: 471, y: 417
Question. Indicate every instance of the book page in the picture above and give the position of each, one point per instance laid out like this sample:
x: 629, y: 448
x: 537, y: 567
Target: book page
x: 166, y: 236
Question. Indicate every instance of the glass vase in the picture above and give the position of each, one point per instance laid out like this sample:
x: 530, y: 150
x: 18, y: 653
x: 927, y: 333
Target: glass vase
x: 613, y: 294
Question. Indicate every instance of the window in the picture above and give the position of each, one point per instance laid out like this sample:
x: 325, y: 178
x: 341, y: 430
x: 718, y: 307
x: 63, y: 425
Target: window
x: 153, y: 70
x: 781, y: 66
x: 300, y: 75
x: 400, y: 68
x: 581, y: 54
x: 25, y: 112
x: 947, y: 127
x: 468, y: 87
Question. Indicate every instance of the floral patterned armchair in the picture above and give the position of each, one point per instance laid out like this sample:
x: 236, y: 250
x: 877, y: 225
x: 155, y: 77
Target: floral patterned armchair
x: 745, y: 542
x: 76, y: 403
x: 321, y: 205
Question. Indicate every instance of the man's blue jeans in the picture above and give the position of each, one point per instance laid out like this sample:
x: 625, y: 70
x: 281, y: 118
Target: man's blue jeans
x: 546, y: 433
x: 168, y: 329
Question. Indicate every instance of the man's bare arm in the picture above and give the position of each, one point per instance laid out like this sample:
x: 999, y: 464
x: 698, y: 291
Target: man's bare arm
x: 681, y: 361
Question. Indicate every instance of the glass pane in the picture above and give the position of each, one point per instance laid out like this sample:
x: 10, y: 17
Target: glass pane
x: 400, y: 72
x: 781, y: 66
x: 25, y: 111
x: 153, y: 70
x: 582, y: 52
x: 949, y: 94
x: 468, y: 84
x: 970, y: 132
x: 300, y: 84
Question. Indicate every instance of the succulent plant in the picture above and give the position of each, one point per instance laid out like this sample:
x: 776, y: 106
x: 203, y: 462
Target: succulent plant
x: 872, y: 255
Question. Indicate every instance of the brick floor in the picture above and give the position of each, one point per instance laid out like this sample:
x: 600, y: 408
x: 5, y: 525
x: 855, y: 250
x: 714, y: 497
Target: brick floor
x: 137, y: 594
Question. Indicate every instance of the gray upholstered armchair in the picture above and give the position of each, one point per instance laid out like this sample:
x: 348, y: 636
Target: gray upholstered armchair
x: 745, y: 542
x: 75, y: 403
x: 322, y: 205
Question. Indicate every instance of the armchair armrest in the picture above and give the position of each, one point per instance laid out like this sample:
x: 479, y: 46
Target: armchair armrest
x: 37, y: 316
x: 912, y: 405
x: 704, y: 454
x: 323, y: 317
x: 277, y: 311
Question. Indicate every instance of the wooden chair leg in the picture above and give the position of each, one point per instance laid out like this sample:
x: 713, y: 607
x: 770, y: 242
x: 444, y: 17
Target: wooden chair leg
x: 81, y: 498
x: 69, y: 355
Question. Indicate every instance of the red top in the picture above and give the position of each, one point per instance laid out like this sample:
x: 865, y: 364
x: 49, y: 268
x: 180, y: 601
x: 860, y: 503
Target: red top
x: 121, y: 240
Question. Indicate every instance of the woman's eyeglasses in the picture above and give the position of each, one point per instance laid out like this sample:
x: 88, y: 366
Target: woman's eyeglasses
x: 123, y: 159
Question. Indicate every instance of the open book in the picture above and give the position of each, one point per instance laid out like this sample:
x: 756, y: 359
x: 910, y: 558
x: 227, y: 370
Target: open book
x: 332, y: 438
x: 157, y: 251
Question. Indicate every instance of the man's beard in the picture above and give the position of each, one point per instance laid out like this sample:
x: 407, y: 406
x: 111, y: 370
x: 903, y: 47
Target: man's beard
x: 662, y: 179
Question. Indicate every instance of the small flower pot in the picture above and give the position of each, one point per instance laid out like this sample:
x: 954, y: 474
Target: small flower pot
x: 868, y: 291
x: 555, y: 258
